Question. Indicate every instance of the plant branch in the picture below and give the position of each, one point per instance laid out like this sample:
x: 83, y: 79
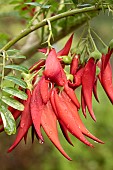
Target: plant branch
x: 51, y: 19
x: 31, y: 50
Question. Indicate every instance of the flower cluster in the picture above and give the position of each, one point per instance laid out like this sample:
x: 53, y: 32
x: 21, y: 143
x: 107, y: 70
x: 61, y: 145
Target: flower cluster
x: 53, y: 100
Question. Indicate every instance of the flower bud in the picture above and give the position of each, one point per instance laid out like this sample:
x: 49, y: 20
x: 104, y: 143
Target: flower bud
x: 67, y: 59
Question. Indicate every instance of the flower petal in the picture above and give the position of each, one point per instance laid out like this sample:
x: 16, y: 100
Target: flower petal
x: 64, y: 131
x: 36, y: 106
x: 44, y: 90
x: 75, y: 114
x: 48, y: 123
x: 70, y: 92
x: 95, y: 90
x: 88, y: 79
x: 83, y: 103
x: 66, y: 117
x: 53, y: 69
x: 74, y: 65
x: 105, y: 78
x: 66, y: 48
x: 25, y: 122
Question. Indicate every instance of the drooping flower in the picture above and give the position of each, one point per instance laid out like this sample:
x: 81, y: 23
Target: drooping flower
x: 105, y: 75
x: 88, y: 79
x: 53, y: 100
x: 25, y: 122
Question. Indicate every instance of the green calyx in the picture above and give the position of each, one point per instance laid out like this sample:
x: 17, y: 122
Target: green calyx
x: 104, y: 50
x: 96, y: 55
x: 26, y: 76
x: 97, y: 70
x: 28, y: 79
x: 111, y: 44
x: 67, y: 59
x: 69, y: 77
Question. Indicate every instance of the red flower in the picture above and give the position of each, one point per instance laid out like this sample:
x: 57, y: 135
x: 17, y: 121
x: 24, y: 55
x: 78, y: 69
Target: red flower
x: 25, y: 122
x: 105, y: 75
x: 88, y: 79
x: 53, y: 69
x: 53, y: 100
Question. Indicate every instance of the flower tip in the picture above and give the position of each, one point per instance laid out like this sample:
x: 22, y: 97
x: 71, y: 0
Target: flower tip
x: 9, y: 150
x: 67, y: 157
x: 92, y: 115
x: 41, y: 141
x: 84, y: 113
x: 43, y: 50
x: 89, y: 144
x: 12, y: 147
x: 99, y: 141
x: 70, y: 159
x: 92, y: 146
x: 72, y: 35
x: 102, y: 142
x: 71, y: 144
x: 94, y: 118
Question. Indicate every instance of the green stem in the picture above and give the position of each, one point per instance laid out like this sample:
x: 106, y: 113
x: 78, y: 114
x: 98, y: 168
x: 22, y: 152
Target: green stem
x: 80, y: 39
x: 91, y: 39
x: 34, y: 67
x: 3, y: 65
x: 50, y: 34
x: 51, y: 19
x: 99, y: 38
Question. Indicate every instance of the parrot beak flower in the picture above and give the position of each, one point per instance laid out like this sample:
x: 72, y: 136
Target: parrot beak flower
x: 52, y: 99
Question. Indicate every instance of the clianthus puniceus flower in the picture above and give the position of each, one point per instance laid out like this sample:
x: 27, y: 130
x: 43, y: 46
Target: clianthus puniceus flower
x: 52, y: 99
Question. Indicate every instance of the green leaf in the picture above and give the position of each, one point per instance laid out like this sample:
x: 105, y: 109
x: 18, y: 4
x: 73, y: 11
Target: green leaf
x: 15, y: 92
x: 17, y: 81
x: 13, y: 103
x: 18, y: 67
x: 83, y: 5
x: 16, y: 56
x: 38, y: 4
x: 14, y: 53
x: 8, y: 121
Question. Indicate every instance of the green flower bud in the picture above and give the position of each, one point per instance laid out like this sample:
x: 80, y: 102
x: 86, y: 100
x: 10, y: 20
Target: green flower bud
x: 67, y: 59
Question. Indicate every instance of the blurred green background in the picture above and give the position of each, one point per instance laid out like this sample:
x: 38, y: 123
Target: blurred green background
x: 45, y: 156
